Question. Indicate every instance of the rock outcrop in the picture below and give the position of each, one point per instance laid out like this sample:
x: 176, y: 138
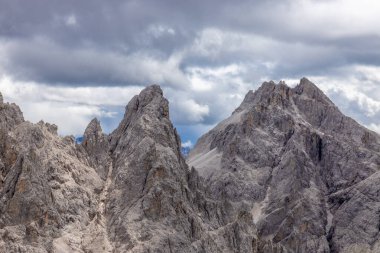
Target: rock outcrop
x: 287, y: 172
x: 148, y: 207
x: 307, y: 171
x: 48, y: 196
x: 131, y: 191
x: 96, y: 144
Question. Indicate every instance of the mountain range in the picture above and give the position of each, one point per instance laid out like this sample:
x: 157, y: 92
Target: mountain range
x: 286, y: 172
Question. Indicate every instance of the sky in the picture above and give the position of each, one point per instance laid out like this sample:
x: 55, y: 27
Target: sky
x: 66, y: 62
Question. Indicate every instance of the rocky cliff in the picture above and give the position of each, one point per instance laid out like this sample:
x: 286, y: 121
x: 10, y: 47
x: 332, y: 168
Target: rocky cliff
x: 130, y: 191
x: 287, y: 172
x: 307, y: 171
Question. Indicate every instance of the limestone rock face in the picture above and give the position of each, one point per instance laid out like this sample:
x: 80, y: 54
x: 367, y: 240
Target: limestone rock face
x: 96, y: 144
x: 287, y: 172
x: 131, y: 191
x: 306, y: 171
x: 155, y: 203
x: 48, y: 197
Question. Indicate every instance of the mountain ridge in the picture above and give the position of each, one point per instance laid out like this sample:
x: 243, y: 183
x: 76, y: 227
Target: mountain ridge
x: 286, y: 172
x: 283, y: 146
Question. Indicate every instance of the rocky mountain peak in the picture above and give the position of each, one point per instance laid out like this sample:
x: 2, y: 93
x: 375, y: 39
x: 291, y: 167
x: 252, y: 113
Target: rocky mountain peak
x: 306, y: 169
x: 287, y: 172
x: 269, y: 93
x: 95, y: 143
x: 93, y: 131
x: 10, y: 114
x: 149, y: 94
x: 108, y: 194
x: 148, y: 109
x: 310, y: 90
x: 305, y: 98
x: 306, y: 86
x: 149, y: 101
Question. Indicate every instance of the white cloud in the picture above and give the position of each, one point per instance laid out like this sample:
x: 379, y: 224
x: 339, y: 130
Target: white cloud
x: 375, y: 127
x: 187, y: 144
x: 159, y: 30
x: 44, y: 61
x: 71, y: 108
x: 70, y: 118
x: 342, y: 17
x: 185, y: 110
x: 207, y: 79
x: 205, y: 66
x: 71, y: 20
x: 356, y: 91
x: 19, y: 91
x: 297, y: 19
x: 359, y: 84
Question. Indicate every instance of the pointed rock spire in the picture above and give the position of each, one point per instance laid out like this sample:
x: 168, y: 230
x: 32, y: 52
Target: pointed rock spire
x: 150, y: 105
x: 1, y: 98
x: 150, y: 100
x: 149, y: 94
x: 268, y: 93
x: 93, y: 131
x: 95, y: 142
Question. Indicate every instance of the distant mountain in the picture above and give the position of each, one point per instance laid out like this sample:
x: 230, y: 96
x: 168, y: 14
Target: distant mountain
x: 286, y: 172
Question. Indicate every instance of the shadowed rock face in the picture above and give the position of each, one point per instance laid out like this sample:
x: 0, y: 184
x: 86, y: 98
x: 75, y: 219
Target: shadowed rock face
x: 287, y: 172
x: 307, y: 171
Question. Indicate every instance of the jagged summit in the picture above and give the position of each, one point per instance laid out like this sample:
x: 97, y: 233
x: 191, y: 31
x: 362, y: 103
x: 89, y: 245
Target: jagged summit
x: 301, y: 164
x: 149, y: 101
x: 287, y: 172
x: 107, y: 194
x: 93, y: 130
x: 149, y: 110
x: 10, y: 114
x: 270, y: 93
x: 150, y: 95
x: 150, y: 92
x: 308, y: 86
x: 309, y: 89
x: 264, y: 94
x: 94, y: 124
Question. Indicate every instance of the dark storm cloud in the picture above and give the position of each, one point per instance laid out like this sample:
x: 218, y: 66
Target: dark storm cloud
x: 95, y: 42
x: 43, y: 61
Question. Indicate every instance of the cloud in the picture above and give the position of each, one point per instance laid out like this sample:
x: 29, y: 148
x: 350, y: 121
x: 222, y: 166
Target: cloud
x: 356, y: 91
x: 92, y: 56
x: 187, y: 144
x: 306, y: 19
x: 43, y: 61
x: 71, y: 108
x: 189, y: 111
x: 374, y: 127
x: 71, y: 20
